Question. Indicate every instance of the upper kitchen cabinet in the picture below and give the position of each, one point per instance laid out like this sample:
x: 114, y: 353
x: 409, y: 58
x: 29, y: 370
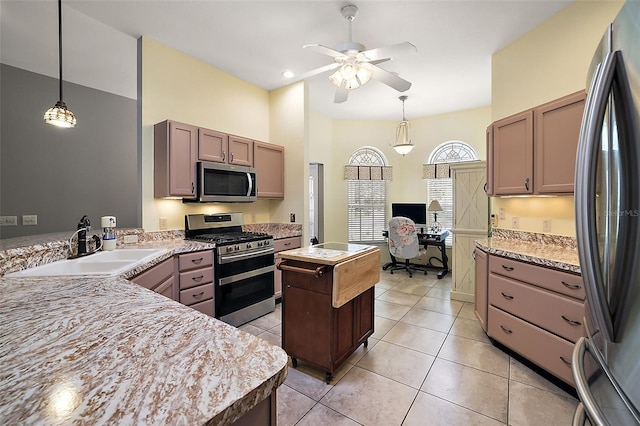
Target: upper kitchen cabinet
x: 534, y: 152
x: 175, y: 151
x: 556, y: 142
x: 240, y: 151
x: 512, y: 149
x: 269, y: 165
x: 212, y: 146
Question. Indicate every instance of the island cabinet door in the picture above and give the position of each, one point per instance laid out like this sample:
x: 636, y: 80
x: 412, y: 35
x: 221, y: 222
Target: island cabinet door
x: 363, y: 322
x: 344, y: 333
x: 306, y: 325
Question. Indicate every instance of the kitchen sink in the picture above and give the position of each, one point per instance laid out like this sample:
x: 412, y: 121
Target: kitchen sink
x: 104, y: 263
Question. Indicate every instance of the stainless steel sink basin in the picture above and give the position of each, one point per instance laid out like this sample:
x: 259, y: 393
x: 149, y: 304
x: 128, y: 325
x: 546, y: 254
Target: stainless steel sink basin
x: 106, y: 263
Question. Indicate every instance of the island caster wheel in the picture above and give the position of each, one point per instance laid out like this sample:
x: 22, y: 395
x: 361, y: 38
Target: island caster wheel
x: 294, y: 362
x: 328, y: 378
x: 366, y: 343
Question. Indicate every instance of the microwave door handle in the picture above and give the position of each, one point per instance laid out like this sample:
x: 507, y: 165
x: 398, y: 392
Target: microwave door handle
x: 586, y: 230
x: 250, y: 184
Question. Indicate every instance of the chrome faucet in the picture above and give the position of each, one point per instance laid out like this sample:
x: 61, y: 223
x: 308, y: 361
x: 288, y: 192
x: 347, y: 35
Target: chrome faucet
x: 83, y: 226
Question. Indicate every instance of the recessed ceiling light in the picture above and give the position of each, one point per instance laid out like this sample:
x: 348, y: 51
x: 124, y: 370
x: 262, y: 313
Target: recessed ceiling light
x: 287, y: 74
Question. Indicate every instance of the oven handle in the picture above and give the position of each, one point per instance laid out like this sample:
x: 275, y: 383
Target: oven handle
x: 237, y: 257
x: 318, y: 272
x: 245, y: 275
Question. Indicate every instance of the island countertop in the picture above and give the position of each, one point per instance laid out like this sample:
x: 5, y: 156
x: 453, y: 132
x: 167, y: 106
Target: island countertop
x: 327, y: 253
x: 103, y: 350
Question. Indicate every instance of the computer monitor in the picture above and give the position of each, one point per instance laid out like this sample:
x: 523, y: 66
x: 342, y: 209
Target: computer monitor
x: 414, y: 211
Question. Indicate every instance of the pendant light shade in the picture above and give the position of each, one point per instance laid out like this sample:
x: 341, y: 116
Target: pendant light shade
x: 59, y: 115
x: 403, y: 143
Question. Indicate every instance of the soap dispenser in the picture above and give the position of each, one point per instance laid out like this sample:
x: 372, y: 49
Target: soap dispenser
x: 108, y: 232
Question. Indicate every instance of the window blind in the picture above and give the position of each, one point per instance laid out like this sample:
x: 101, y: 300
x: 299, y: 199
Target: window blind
x: 367, y: 200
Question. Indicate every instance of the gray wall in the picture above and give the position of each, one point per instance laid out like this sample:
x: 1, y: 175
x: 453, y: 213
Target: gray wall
x: 62, y: 174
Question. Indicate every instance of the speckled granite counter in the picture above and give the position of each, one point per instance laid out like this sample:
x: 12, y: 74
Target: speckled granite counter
x: 107, y: 351
x: 552, y: 251
x: 278, y: 230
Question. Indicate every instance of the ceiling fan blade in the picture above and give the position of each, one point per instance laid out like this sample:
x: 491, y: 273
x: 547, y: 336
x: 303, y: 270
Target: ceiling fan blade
x: 311, y: 73
x: 341, y: 95
x: 324, y: 50
x: 391, y: 80
x: 388, y: 51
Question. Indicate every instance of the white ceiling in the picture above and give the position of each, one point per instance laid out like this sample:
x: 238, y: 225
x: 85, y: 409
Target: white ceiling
x: 257, y: 40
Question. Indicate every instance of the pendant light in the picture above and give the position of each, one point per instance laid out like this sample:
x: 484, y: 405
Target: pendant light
x: 403, y: 143
x: 59, y: 115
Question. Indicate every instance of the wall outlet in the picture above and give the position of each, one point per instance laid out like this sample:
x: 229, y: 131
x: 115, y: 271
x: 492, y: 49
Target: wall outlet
x: 292, y: 217
x: 494, y: 220
x: 515, y: 222
x: 501, y: 214
x: 29, y: 219
x: 130, y: 239
x: 546, y: 225
x: 8, y: 220
x: 163, y: 223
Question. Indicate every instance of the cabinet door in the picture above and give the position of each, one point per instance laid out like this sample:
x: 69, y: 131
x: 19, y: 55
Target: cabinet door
x: 556, y: 141
x: 175, y: 146
x: 464, y: 268
x: 364, y: 316
x: 481, y: 278
x: 240, y: 151
x: 513, y: 155
x: 470, y: 203
x: 167, y: 288
x: 488, y: 186
x: 277, y: 278
x: 344, y: 337
x: 212, y: 146
x: 269, y: 164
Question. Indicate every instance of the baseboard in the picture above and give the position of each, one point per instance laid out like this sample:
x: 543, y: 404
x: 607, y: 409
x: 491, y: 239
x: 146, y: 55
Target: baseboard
x: 463, y: 297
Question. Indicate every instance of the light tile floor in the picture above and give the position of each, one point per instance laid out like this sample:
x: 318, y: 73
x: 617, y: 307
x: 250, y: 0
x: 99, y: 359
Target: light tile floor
x: 428, y: 363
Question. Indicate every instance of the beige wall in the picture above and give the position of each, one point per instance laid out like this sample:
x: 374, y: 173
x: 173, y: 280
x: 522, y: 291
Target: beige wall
x: 548, y: 62
x: 178, y: 87
x: 407, y: 185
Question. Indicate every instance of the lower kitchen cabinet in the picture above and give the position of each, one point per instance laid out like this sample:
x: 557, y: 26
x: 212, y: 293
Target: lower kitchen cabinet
x: 196, y: 280
x: 160, y: 278
x: 278, y: 246
x: 312, y: 329
x: 536, y: 311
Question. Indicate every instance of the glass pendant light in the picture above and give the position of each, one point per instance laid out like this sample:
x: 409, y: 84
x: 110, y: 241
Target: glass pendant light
x: 59, y: 115
x: 403, y: 143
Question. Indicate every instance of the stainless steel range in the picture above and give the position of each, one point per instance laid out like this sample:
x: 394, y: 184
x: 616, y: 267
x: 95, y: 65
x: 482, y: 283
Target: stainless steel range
x: 243, y: 266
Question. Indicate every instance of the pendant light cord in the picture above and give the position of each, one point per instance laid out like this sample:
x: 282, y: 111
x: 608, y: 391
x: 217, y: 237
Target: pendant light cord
x: 60, y: 44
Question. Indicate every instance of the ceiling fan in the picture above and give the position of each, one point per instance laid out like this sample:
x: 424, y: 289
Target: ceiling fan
x: 355, y: 66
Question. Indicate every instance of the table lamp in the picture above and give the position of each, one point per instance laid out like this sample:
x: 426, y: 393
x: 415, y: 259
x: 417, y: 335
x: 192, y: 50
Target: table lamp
x: 435, y: 207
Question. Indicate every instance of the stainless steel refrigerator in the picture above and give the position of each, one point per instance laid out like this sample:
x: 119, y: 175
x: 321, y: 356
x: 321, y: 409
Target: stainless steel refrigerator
x: 606, y: 364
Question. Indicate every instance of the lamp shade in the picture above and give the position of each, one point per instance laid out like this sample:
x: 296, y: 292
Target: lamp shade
x: 434, y: 206
x: 351, y: 75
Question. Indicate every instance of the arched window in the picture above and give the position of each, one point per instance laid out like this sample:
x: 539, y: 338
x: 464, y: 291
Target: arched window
x: 442, y: 189
x: 366, y: 199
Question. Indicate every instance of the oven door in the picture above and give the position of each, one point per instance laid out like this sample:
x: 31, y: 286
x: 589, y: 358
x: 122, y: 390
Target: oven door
x: 243, y: 280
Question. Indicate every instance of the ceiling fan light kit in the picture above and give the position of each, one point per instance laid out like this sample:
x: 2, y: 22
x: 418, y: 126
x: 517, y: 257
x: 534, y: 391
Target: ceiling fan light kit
x: 403, y: 144
x: 354, y: 66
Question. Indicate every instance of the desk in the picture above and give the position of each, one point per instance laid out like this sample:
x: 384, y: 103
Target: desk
x: 429, y: 239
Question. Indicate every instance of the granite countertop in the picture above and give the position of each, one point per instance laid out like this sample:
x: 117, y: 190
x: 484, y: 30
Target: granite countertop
x: 551, y: 251
x: 105, y: 350
x: 278, y: 230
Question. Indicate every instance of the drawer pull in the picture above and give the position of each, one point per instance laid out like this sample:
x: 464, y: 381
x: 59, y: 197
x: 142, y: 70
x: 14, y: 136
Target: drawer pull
x: 506, y: 296
x: 198, y: 295
x: 571, y: 286
x: 318, y: 272
x: 197, y: 278
x: 507, y: 268
x: 287, y: 244
x: 505, y: 329
x: 571, y: 322
x: 198, y: 260
x: 567, y: 363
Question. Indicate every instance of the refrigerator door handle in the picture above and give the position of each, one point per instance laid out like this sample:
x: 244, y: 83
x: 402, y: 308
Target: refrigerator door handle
x: 586, y: 163
x: 582, y: 387
x: 580, y: 416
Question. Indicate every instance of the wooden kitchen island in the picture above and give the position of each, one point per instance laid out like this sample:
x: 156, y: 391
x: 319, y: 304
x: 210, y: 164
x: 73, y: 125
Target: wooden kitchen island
x: 327, y: 302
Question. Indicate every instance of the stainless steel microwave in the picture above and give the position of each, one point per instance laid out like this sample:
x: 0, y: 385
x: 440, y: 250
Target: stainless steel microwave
x: 225, y: 183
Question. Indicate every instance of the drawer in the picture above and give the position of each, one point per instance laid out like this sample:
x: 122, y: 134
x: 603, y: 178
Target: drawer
x: 196, y: 259
x: 196, y: 294
x: 551, y: 279
x: 544, y: 349
x: 206, y: 307
x: 158, y: 274
x: 300, y: 275
x: 196, y: 277
x: 287, y: 243
x: 555, y: 313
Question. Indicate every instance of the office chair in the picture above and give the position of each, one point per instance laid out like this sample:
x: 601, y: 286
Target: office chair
x: 403, y: 243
